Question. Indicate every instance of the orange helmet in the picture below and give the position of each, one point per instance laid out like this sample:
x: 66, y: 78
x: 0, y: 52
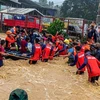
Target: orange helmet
x: 8, y: 32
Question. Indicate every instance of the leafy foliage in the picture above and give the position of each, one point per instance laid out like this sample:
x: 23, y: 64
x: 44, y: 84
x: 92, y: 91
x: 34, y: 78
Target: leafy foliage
x: 80, y: 9
x: 57, y: 25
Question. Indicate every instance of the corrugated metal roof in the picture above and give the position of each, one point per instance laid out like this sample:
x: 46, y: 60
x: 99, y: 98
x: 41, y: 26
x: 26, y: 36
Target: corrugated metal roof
x: 20, y: 11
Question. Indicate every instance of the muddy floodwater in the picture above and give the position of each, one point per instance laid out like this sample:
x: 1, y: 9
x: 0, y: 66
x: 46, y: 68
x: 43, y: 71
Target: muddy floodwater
x: 54, y: 80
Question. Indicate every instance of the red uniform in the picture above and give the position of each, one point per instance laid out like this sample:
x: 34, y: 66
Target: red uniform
x: 60, y: 47
x: 57, y: 43
x: 93, y: 66
x: 80, y: 60
x: 46, y: 52
x: 83, y: 48
x: 52, y: 53
x: 37, y: 53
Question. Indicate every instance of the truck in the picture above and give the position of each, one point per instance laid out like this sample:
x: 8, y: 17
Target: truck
x: 22, y: 21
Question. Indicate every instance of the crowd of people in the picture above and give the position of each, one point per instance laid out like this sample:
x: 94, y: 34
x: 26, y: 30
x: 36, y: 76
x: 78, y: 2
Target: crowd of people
x: 43, y: 46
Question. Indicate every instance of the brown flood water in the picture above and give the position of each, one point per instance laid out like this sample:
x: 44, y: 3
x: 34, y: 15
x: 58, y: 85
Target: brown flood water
x: 54, y: 80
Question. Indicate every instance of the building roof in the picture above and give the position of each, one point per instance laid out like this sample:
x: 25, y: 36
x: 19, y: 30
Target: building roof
x: 20, y: 11
x: 15, y: 1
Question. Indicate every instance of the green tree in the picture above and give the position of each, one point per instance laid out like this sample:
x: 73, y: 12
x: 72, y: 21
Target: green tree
x: 80, y: 9
x: 57, y: 25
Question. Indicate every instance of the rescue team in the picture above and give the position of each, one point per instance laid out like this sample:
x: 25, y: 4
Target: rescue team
x: 45, y: 47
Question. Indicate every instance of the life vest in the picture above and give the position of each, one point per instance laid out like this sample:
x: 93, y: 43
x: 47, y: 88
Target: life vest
x: 57, y: 43
x: 10, y: 40
x: 87, y: 47
x: 80, y: 60
x: 60, y: 47
x: 52, y: 53
x: 93, y: 66
x: 37, y: 53
x: 46, y: 52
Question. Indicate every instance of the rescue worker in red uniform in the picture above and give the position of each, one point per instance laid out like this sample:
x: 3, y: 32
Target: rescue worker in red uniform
x: 79, y: 59
x: 36, y: 52
x: 83, y: 48
x: 46, y: 51
x: 93, y: 67
x: 53, y: 52
x: 62, y: 50
x: 10, y: 41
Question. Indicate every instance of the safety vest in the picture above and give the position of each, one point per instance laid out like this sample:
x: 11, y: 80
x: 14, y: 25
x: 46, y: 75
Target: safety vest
x: 80, y: 60
x: 60, y: 47
x: 10, y: 40
x: 93, y: 66
x: 52, y: 53
x: 37, y: 53
x: 57, y: 43
x: 83, y: 48
x: 87, y: 47
x: 46, y: 52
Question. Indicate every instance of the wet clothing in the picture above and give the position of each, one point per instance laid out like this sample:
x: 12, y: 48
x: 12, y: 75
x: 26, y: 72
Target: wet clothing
x: 79, y: 60
x: 46, y: 52
x: 93, y: 79
x: 92, y: 64
x: 62, y: 49
x: 23, y: 46
x: 9, y: 41
x: 36, y: 52
x: 71, y: 50
x: 52, y: 53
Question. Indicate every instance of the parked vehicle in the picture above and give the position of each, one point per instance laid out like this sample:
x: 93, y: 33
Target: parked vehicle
x: 23, y: 21
x: 74, y: 30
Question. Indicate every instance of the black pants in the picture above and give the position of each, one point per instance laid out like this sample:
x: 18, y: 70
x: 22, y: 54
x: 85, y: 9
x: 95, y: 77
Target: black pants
x: 32, y: 62
x: 93, y: 79
x: 70, y: 60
